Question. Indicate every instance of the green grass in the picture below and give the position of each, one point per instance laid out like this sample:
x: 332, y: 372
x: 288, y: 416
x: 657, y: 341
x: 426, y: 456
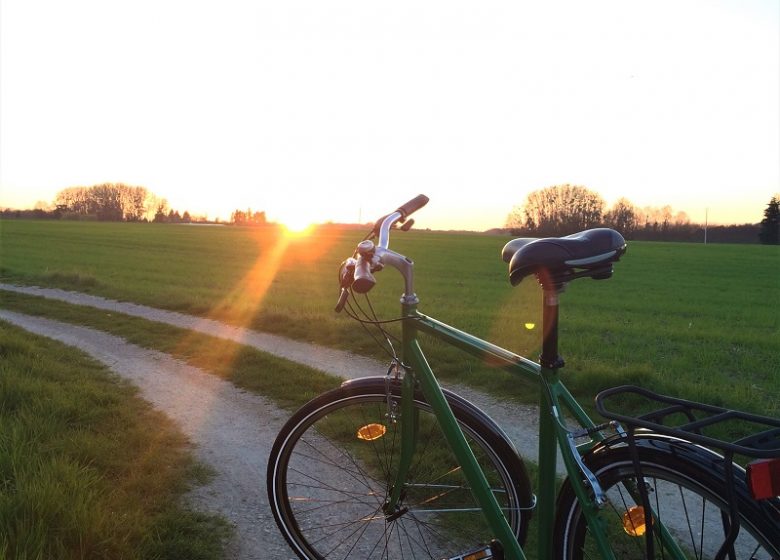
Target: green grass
x: 87, y: 468
x: 288, y: 384
x: 690, y: 320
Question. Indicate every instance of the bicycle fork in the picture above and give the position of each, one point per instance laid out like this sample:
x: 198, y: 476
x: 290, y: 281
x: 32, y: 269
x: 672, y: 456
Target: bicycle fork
x: 409, y: 419
x: 421, y: 373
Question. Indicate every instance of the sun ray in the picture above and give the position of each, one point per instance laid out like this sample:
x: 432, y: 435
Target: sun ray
x: 277, y: 249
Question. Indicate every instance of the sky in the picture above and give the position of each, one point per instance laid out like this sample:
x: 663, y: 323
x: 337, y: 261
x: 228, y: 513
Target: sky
x: 342, y: 110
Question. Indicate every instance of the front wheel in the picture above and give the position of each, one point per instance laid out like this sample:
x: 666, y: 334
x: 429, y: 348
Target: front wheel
x: 332, y: 465
x: 687, y: 494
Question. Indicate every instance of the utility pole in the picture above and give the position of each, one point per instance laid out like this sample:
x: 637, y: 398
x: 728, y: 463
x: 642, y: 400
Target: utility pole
x: 706, y: 216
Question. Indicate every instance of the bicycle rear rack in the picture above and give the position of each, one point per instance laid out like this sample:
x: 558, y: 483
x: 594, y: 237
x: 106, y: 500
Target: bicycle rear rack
x: 763, y: 442
x: 686, y: 420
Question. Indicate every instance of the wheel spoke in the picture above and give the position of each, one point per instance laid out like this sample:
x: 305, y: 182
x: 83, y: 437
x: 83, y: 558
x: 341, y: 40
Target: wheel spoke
x: 333, y: 485
x: 689, y: 509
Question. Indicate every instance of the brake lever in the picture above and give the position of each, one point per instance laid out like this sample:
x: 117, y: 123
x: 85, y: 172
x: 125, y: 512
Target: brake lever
x: 343, y: 297
x: 347, y: 272
x: 346, y: 279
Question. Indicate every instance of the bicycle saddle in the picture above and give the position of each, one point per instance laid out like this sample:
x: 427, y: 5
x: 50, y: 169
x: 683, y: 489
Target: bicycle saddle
x: 557, y: 260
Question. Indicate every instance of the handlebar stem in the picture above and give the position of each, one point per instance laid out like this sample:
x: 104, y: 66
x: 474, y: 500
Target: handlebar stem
x: 401, y: 263
x: 405, y: 266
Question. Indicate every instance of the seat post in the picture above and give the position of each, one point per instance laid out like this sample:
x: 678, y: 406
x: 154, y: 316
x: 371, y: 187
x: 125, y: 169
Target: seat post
x: 548, y: 457
x: 550, y: 358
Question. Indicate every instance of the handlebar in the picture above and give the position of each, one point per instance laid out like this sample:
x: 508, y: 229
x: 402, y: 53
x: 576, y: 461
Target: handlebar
x: 413, y: 205
x: 383, y: 224
x: 356, y: 273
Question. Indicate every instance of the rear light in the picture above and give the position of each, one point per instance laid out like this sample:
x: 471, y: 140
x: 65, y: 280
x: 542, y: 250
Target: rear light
x: 764, y: 478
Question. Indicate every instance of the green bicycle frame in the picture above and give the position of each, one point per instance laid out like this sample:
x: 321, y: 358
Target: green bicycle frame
x: 555, y: 399
x: 553, y: 433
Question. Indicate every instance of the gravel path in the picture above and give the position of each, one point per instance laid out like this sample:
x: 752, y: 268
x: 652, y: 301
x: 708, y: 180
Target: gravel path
x: 519, y: 422
x: 335, y: 362
x: 233, y: 429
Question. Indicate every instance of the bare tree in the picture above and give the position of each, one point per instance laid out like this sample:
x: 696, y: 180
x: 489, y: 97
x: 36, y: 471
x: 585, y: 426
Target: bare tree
x: 238, y: 217
x: 160, y: 215
x: 247, y: 218
x: 75, y: 199
x: 134, y: 202
x: 623, y: 216
x: 559, y: 210
x: 107, y: 201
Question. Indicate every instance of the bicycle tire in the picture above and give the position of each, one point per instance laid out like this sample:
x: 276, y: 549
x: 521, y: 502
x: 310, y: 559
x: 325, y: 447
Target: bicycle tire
x: 684, y: 481
x: 342, y: 516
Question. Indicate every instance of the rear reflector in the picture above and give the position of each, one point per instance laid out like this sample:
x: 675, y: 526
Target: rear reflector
x: 764, y: 478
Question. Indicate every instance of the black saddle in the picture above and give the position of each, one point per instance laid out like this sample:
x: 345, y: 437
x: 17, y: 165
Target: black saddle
x: 557, y: 260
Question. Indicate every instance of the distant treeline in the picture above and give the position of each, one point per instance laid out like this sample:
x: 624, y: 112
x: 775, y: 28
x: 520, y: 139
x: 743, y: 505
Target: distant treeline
x: 172, y: 216
x: 552, y: 211
x: 117, y: 202
x: 107, y: 202
x: 566, y: 209
x: 695, y: 233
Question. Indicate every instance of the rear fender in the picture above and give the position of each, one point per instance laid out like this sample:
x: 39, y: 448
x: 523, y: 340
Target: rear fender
x: 709, y: 461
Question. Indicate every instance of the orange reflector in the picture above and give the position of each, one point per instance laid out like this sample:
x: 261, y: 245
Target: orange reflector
x: 634, y: 521
x: 479, y: 555
x: 764, y: 478
x: 370, y: 432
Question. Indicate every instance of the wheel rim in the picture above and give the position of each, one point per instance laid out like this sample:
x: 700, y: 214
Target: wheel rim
x: 331, y: 485
x: 686, y: 507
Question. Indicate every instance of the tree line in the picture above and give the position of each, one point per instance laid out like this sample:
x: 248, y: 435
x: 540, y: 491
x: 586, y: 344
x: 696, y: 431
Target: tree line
x: 117, y: 202
x: 109, y: 202
x: 566, y: 209
x: 552, y: 211
x: 248, y: 218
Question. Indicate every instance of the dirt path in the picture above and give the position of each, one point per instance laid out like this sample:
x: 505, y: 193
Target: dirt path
x: 335, y: 362
x: 519, y: 422
x: 233, y: 430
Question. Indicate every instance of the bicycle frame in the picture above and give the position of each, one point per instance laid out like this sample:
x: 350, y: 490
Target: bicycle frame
x: 554, y: 398
x: 553, y: 433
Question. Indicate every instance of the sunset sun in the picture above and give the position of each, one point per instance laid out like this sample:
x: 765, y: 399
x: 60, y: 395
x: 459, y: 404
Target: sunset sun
x: 298, y: 227
x: 298, y: 223
x: 299, y: 219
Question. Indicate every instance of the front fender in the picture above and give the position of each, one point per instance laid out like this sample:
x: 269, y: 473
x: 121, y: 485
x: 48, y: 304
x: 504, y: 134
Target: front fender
x: 456, y: 402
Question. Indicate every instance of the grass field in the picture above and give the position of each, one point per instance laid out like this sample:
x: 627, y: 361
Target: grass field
x: 88, y: 469
x: 691, y: 320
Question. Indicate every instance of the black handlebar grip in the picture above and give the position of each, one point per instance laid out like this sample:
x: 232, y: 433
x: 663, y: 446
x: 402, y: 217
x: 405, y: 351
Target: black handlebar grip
x: 413, y: 205
x: 364, y: 280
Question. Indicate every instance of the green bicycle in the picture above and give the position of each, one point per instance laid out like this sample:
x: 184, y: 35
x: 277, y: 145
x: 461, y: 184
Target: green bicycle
x: 396, y: 467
